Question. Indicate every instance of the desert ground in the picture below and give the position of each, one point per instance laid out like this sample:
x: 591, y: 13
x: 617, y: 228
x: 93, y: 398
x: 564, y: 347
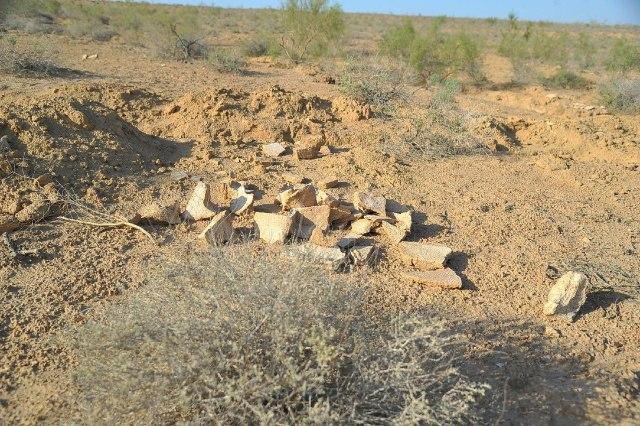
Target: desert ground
x: 522, y: 180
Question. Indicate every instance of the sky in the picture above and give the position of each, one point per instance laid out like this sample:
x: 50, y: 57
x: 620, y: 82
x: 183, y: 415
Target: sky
x: 603, y: 11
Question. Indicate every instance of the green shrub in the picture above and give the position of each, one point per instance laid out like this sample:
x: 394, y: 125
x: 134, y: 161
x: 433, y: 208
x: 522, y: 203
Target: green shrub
x: 624, y: 56
x: 224, y: 338
x: 565, y: 79
x: 434, y: 55
x: 310, y: 28
x: 622, y: 95
x: 585, y: 51
x: 253, y: 48
x: 227, y: 62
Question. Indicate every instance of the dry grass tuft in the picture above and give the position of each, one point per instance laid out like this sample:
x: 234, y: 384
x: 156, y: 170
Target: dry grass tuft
x: 224, y: 338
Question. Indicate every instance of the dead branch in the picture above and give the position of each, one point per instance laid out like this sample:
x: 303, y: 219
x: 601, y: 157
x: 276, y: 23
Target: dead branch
x: 110, y: 225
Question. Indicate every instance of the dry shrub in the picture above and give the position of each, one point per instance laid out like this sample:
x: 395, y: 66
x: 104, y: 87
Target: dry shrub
x: 622, y: 94
x: 226, y: 338
x: 35, y: 62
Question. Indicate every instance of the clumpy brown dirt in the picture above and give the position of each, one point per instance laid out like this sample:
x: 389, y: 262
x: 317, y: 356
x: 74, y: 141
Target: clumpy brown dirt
x: 556, y: 188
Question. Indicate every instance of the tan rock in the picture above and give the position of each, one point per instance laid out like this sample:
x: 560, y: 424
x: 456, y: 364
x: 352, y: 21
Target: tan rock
x: 394, y: 233
x: 363, y: 255
x: 273, y: 149
x: 425, y: 256
x: 404, y: 220
x: 273, y: 227
x: 331, y: 256
x: 349, y: 241
x: 325, y: 150
x: 309, y: 219
x: 199, y: 206
x: 292, y: 178
x: 324, y: 198
x: 341, y: 215
x: 441, y: 278
x: 361, y: 226
x: 298, y: 196
x: 220, y: 229
x: 368, y: 203
x: 323, y: 238
x: 308, y: 148
x: 160, y: 213
x: 567, y: 295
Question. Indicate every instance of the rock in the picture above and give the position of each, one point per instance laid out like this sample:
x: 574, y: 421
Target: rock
x: 331, y: 256
x: 160, y: 213
x: 404, y: 220
x: 323, y: 238
x: 368, y: 203
x: 310, y: 219
x: 243, y: 202
x: 298, y: 196
x: 273, y: 149
x: 325, y: 150
x: 178, y: 175
x: 394, y: 233
x: 328, y: 183
x: 94, y: 56
x: 220, y: 229
x: 273, y: 227
x: 4, y: 144
x: 363, y: 255
x: 567, y: 295
x: 307, y: 149
x: 341, y: 215
x: 362, y: 226
x: 442, y: 278
x: 425, y: 256
x: 199, y: 206
x: 323, y: 198
x: 348, y: 241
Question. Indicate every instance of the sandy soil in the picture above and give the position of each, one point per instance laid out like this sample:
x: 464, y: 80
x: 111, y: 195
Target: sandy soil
x: 559, y: 190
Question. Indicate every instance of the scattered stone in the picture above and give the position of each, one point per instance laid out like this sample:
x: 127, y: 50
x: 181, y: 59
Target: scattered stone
x: 363, y: 255
x: 328, y: 183
x: 273, y: 227
x: 404, y: 220
x: 394, y: 233
x: 160, y: 213
x: 368, y: 203
x: 442, y: 278
x: 243, y: 202
x: 341, y: 215
x: 567, y: 295
x: 273, y: 149
x: 94, y: 56
x: 361, y: 226
x: 323, y: 238
x: 310, y: 219
x: 331, y: 256
x: 348, y: 241
x: 220, y: 229
x: 298, y: 196
x: 199, y: 206
x: 324, y: 198
x: 308, y: 149
x: 425, y: 256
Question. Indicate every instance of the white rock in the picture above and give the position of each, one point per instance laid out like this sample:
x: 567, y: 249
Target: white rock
x: 368, y: 203
x: 425, y: 256
x: 442, y: 278
x: 160, y: 213
x: 273, y: 149
x: 273, y: 227
x: 567, y: 295
x: 220, y: 229
x: 298, y: 196
x: 199, y: 206
x: 394, y: 233
x: 363, y: 255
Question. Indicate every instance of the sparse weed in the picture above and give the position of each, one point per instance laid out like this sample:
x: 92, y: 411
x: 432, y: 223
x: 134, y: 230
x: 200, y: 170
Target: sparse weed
x: 227, y: 62
x: 624, y: 56
x: 225, y: 339
x: 254, y: 48
x: 35, y: 62
x: 622, y: 95
x: 310, y: 28
x: 566, y: 79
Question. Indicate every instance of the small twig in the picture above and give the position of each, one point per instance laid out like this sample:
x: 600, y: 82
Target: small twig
x: 505, y: 400
x: 110, y: 225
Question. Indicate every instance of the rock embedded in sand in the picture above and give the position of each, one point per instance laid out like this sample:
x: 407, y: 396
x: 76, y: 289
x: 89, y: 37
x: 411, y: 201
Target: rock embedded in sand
x: 567, y: 295
x: 310, y: 219
x: 298, y: 196
x: 308, y: 148
x: 273, y: 149
x: 423, y: 256
x: 168, y: 213
x: 369, y: 203
x: 199, y: 206
x: 273, y: 227
x: 308, y: 252
x: 441, y: 278
x: 394, y: 233
x: 328, y: 183
x: 220, y: 229
x: 362, y: 226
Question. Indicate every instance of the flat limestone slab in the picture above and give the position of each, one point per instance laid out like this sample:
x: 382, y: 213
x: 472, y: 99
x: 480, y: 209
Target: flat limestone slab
x: 442, y: 278
x: 313, y: 253
x: 273, y: 227
x: 426, y: 257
